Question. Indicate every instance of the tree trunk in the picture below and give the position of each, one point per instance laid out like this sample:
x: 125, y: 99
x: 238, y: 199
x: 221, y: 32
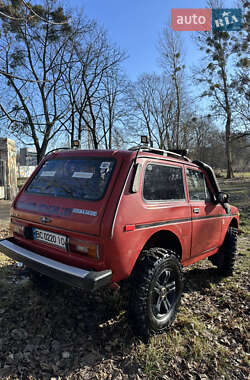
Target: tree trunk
x: 72, y: 132
x: 230, y: 173
x: 151, y: 144
x: 94, y: 138
x: 110, y: 132
x: 228, y: 124
x: 178, y: 112
x: 79, y: 133
x: 40, y: 155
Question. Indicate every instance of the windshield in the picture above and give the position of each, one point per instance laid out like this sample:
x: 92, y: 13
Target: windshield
x: 77, y: 178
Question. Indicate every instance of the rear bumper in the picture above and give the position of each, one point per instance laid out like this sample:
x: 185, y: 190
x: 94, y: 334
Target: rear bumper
x: 87, y: 280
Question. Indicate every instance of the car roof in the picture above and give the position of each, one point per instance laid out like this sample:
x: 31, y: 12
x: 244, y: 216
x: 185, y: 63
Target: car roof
x: 129, y: 155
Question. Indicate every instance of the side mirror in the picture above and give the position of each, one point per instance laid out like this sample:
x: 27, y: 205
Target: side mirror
x: 222, y: 197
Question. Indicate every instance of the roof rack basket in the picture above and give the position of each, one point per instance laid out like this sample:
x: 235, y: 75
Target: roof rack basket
x: 177, y: 153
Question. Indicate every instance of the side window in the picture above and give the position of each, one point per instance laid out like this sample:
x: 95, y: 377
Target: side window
x: 197, y: 186
x: 163, y: 183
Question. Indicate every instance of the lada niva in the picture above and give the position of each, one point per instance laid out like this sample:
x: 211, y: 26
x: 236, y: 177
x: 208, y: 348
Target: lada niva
x: 92, y: 218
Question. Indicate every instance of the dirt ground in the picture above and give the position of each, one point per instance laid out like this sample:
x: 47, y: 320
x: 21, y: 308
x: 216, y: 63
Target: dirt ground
x: 4, y: 210
x: 55, y: 332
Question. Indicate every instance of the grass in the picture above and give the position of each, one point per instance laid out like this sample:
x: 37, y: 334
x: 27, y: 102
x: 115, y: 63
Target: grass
x: 244, y: 222
x: 222, y: 173
x: 65, y: 333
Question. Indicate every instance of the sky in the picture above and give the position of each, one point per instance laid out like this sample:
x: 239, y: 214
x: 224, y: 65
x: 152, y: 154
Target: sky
x: 135, y: 26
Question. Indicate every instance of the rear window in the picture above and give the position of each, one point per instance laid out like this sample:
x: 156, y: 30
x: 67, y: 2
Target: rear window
x: 163, y: 183
x: 77, y: 178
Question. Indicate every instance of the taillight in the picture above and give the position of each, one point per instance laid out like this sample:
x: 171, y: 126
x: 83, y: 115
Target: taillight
x: 85, y: 248
x: 17, y: 228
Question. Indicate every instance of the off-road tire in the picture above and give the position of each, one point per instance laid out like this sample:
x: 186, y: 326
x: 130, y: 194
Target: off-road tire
x: 224, y: 259
x: 156, y: 290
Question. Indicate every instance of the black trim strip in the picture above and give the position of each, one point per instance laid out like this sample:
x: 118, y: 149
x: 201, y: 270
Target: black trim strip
x: 208, y: 250
x: 177, y: 160
x: 208, y: 217
x: 176, y: 221
x: 163, y: 223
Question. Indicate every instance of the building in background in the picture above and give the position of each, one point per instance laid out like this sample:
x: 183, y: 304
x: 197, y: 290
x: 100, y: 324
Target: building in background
x: 8, y: 169
x: 28, y: 157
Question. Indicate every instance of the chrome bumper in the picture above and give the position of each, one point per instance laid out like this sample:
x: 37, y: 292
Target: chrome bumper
x: 87, y: 280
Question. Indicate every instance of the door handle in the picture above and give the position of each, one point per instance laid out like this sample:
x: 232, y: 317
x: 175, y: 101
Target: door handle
x: 196, y: 210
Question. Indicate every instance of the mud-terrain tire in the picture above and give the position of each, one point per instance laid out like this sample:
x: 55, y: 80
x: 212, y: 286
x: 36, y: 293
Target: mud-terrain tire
x: 156, y: 290
x: 224, y: 259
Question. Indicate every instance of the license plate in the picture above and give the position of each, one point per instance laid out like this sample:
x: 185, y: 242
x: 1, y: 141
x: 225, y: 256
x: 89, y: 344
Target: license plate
x: 50, y: 238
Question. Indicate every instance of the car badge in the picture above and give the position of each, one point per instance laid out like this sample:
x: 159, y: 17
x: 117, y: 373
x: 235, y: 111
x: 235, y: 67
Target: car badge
x: 45, y: 219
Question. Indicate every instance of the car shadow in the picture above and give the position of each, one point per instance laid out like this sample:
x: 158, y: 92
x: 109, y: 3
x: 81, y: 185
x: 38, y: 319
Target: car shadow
x: 198, y: 279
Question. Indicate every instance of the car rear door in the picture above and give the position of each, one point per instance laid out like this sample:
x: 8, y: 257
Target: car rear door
x: 69, y: 200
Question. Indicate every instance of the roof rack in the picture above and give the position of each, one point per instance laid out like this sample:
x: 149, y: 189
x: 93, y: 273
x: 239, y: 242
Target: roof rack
x: 177, y: 153
x: 75, y: 145
x: 56, y: 149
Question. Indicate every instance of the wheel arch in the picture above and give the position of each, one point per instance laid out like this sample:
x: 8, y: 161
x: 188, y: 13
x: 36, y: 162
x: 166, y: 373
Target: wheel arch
x: 234, y: 223
x: 165, y: 239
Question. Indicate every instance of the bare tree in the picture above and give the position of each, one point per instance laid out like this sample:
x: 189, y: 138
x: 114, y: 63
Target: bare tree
x: 32, y: 63
x: 151, y: 109
x: 240, y: 81
x: 98, y: 60
x: 171, y: 58
x: 139, y: 108
x: 216, y: 74
x: 58, y: 72
x: 111, y: 106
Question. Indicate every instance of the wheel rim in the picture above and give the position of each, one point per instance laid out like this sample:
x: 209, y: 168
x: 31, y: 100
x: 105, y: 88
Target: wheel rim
x: 163, y: 294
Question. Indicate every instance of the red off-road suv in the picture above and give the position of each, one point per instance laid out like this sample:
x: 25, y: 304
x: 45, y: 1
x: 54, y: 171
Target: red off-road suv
x: 91, y: 218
